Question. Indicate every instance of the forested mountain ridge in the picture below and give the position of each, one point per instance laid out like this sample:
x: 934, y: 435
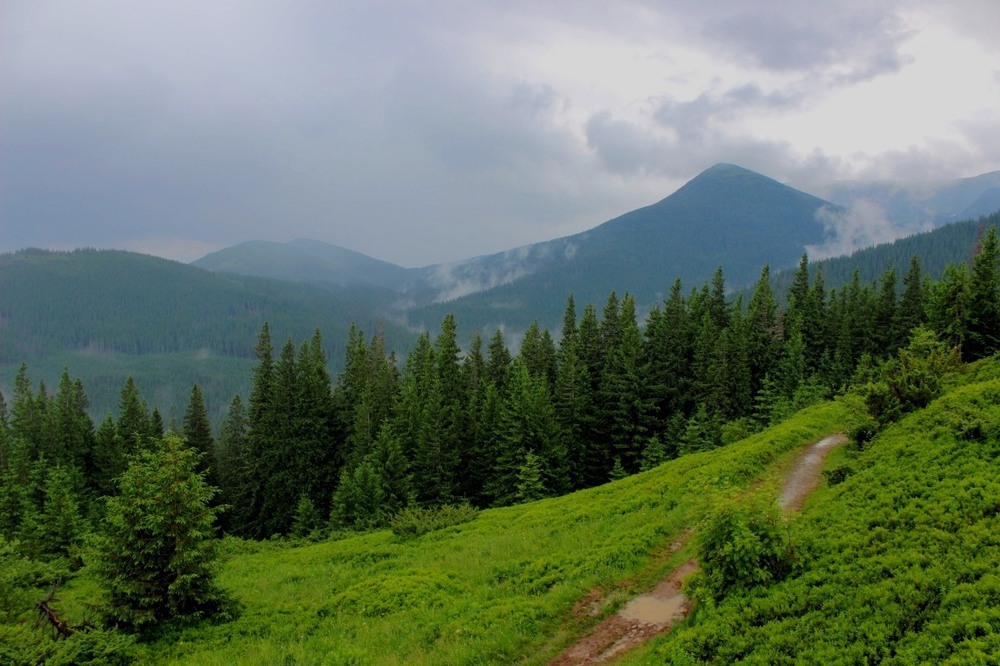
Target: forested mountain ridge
x: 129, y: 507
x: 110, y: 313
x: 727, y: 216
x: 307, y: 261
x: 954, y: 243
x: 749, y: 218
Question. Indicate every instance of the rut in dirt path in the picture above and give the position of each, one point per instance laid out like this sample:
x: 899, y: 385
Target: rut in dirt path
x: 659, y: 610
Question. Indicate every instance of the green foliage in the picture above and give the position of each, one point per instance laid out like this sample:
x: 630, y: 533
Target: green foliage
x: 912, y: 380
x: 415, y: 521
x: 20, y: 578
x: 23, y: 644
x: 307, y: 519
x: 654, y: 454
x: 156, y: 556
x: 897, y: 562
x: 530, y: 486
x: 743, y: 545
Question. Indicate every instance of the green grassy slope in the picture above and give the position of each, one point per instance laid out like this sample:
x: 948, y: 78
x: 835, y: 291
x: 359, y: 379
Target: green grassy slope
x: 498, y: 589
x: 897, y: 564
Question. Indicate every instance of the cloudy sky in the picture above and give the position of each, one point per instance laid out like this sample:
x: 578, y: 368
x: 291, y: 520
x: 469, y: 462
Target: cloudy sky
x: 421, y: 132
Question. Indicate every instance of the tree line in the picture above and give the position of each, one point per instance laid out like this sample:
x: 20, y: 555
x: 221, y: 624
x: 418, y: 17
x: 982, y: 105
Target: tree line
x: 602, y: 399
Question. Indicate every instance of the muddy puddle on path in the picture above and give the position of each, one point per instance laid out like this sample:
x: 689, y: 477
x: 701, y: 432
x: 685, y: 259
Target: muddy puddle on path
x: 659, y: 610
x: 643, y: 617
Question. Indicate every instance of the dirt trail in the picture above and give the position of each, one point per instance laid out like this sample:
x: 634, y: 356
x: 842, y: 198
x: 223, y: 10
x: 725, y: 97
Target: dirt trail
x: 659, y: 610
x: 803, y: 477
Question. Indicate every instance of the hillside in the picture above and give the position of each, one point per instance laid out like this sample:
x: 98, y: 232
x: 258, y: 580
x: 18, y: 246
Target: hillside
x: 894, y: 563
x: 306, y: 261
x: 951, y: 244
x: 727, y: 216
x: 497, y: 589
x: 110, y: 313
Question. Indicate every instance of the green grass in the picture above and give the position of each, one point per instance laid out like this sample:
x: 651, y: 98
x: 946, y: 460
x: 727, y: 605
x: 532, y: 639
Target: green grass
x: 897, y: 564
x: 498, y: 589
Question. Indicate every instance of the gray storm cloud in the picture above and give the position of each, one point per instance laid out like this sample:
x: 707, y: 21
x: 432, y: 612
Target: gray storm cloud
x: 415, y: 132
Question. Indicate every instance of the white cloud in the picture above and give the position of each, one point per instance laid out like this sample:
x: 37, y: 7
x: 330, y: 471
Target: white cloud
x: 864, y: 225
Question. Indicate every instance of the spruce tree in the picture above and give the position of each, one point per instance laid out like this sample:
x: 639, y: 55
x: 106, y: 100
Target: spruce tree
x: 109, y: 457
x: 156, y: 557
x: 653, y: 455
x: 911, y: 312
x: 134, y: 425
x: 233, y: 468
x: 451, y: 423
x: 498, y: 360
x: 948, y: 307
x: 530, y: 486
x: 668, y: 352
x: 306, y: 519
x: 623, y: 401
x: 248, y: 518
x: 394, y: 472
x: 984, y: 300
x: 197, y: 429
x: 886, y: 336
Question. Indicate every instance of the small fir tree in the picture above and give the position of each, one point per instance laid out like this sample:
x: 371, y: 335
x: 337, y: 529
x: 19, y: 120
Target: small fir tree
x: 157, y: 555
x: 653, y: 455
x: 530, y: 486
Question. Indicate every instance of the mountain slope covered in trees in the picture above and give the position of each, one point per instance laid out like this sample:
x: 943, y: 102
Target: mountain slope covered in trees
x: 108, y: 314
x: 421, y: 446
x: 727, y: 216
x: 306, y: 261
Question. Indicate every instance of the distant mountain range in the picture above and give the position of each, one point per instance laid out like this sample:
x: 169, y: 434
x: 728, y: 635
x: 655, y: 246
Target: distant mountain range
x: 937, y: 203
x: 107, y: 314
x: 727, y: 216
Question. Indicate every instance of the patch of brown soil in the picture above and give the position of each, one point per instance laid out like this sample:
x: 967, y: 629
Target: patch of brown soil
x: 642, y: 618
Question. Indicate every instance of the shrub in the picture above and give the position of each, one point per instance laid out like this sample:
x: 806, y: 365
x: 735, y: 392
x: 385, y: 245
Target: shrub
x: 415, y: 521
x: 743, y: 546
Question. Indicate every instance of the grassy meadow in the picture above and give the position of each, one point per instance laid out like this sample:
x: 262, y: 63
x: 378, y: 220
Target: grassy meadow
x: 498, y: 589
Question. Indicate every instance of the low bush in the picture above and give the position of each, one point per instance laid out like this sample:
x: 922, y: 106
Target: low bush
x: 414, y: 521
x: 743, y: 545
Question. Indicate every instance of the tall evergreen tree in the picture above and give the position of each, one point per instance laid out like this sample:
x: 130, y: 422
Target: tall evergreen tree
x: 668, y: 352
x: 498, y: 360
x: 948, y: 307
x: 763, y: 331
x: 624, y: 394
x: 234, y: 468
x: 451, y: 424
x: 260, y: 434
x: 418, y: 424
x: 984, y: 300
x: 109, y: 457
x: 73, y: 429
x: 197, y: 429
x: 912, y: 302
x: 887, y: 337
x: 528, y: 423
x: 134, y: 425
